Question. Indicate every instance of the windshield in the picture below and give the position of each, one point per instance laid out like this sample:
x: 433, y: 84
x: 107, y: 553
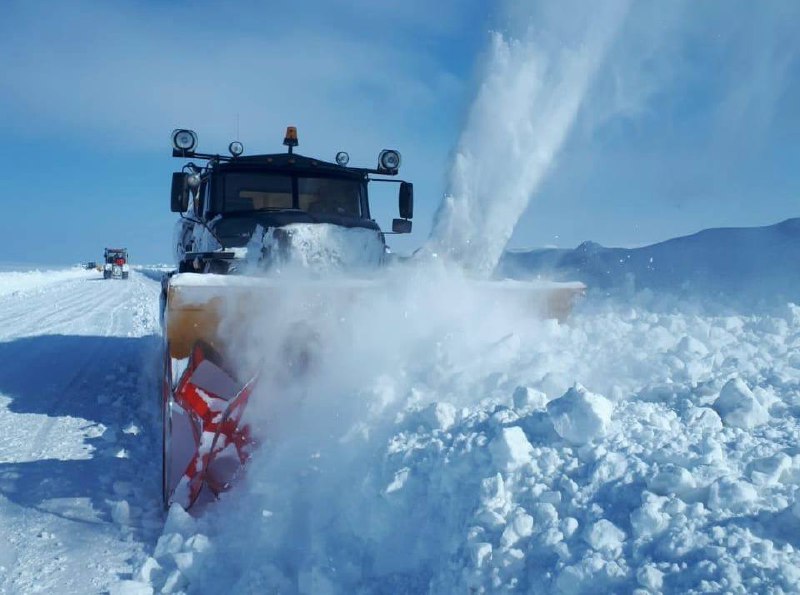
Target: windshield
x: 315, y: 195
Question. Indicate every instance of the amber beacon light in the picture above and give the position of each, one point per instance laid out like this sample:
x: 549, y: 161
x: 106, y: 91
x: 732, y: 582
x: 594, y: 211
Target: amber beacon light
x: 290, y: 140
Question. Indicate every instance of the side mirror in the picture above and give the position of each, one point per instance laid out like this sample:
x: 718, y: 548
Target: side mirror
x: 406, y: 201
x: 401, y: 226
x: 180, y: 192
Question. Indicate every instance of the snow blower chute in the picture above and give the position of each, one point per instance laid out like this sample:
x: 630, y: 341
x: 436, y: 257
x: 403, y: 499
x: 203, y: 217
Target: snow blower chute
x: 242, y: 218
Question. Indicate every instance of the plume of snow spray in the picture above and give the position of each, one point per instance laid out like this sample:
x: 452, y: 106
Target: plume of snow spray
x: 339, y: 366
x: 524, y: 108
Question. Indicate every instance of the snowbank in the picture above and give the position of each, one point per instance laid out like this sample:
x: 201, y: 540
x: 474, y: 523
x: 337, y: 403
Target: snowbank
x: 438, y: 443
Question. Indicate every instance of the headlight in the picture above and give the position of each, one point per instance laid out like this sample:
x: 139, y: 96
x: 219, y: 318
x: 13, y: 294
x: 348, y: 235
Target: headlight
x: 108, y: 266
x: 389, y: 160
x: 342, y: 158
x: 184, y: 140
x: 236, y: 148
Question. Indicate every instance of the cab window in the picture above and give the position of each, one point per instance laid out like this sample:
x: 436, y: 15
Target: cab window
x: 257, y: 192
x: 329, y: 196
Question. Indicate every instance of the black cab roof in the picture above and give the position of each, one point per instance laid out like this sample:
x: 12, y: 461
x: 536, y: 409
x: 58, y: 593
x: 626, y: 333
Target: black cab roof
x: 290, y: 162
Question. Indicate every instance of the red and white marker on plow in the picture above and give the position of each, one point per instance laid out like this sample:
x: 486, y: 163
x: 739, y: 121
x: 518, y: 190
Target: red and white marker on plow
x: 205, y: 441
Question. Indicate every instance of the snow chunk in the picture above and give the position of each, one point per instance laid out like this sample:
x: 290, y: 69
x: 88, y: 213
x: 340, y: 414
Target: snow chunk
x: 605, y: 536
x: 738, y: 406
x: 568, y: 526
x: 651, y: 578
x: 593, y: 574
x: 168, y: 544
x: 121, y: 512
x: 672, y: 480
x: 438, y: 416
x: 132, y: 429
x: 691, y: 346
x: 198, y: 543
x: 527, y: 399
x: 511, y: 449
x: 149, y: 570
x: 183, y: 561
x: 733, y: 495
x: 579, y: 416
x: 178, y: 521
x: 768, y: 471
x: 520, y: 527
x: 130, y: 588
x: 175, y: 582
x: 706, y: 419
x: 495, y: 502
x: 650, y: 519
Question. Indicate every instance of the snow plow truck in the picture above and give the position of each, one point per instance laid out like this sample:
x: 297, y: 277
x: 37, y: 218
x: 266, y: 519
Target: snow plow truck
x: 241, y: 218
x: 115, y: 263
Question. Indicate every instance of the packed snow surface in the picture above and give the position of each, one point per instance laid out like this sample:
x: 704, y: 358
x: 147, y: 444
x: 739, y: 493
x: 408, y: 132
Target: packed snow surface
x: 79, y: 502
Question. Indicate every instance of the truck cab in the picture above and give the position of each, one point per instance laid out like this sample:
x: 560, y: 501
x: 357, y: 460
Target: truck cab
x: 229, y: 202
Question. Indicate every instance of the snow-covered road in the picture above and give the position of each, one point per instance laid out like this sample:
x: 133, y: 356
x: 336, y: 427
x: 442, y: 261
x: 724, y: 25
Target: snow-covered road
x: 79, y: 458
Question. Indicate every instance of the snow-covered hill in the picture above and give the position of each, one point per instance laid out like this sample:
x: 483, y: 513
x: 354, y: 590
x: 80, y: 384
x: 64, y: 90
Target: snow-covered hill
x: 738, y: 263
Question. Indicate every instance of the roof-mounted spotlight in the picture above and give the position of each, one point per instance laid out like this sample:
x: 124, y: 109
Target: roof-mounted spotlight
x: 184, y: 141
x: 389, y: 160
x: 236, y: 148
x: 342, y: 158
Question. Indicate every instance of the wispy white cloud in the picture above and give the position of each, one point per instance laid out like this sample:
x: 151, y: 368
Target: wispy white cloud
x: 720, y: 65
x: 122, y: 70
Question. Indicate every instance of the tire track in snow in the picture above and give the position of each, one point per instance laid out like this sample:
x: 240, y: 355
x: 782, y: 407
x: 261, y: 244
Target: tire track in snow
x: 42, y: 313
x: 70, y: 310
x: 114, y: 326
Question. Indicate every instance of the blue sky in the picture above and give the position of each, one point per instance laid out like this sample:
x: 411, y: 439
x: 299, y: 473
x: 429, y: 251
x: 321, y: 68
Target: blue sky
x: 691, y: 122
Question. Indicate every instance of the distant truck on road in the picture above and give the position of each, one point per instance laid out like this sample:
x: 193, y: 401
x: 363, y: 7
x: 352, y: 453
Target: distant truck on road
x: 116, y: 263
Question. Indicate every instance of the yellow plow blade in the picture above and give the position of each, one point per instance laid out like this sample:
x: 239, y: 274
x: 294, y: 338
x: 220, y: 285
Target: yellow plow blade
x: 209, y: 319
x: 197, y: 304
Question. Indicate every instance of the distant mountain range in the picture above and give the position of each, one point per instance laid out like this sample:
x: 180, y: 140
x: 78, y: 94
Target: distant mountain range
x: 751, y: 262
